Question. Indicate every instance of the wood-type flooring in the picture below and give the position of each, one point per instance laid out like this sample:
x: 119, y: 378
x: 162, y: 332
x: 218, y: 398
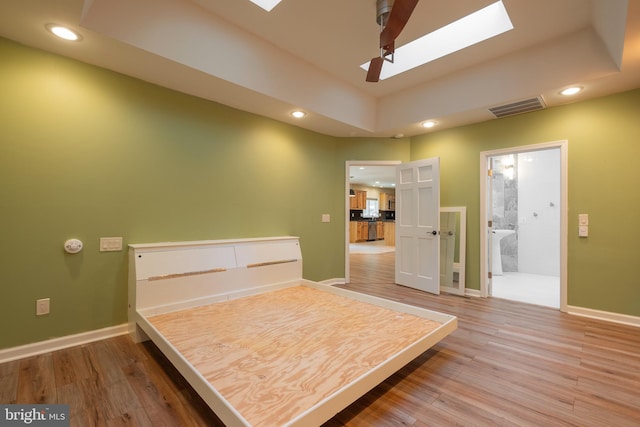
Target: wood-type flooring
x: 508, y: 364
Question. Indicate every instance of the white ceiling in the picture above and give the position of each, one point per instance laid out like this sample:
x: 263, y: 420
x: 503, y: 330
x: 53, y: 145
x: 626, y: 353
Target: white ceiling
x: 306, y: 54
x: 373, y: 175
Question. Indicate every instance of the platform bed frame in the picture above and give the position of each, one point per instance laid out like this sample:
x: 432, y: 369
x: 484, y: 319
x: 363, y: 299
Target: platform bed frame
x: 189, y: 297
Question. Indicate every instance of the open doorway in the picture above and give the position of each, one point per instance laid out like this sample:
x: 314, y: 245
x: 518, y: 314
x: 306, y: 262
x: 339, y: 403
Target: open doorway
x: 524, y: 224
x: 370, y: 216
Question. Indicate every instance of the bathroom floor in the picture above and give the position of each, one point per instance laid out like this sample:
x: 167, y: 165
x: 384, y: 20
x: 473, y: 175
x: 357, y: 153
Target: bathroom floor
x: 530, y: 288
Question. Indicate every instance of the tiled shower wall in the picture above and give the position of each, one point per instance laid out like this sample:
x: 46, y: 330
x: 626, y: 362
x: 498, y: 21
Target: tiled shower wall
x: 505, y: 207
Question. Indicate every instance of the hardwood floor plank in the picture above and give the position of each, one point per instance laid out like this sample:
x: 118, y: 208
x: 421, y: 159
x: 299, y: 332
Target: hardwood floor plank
x: 136, y: 418
x: 604, y: 411
x: 463, y: 410
x: 36, y: 380
x: 9, y: 381
x: 624, y: 392
x: 159, y: 409
x: 174, y: 393
x: 87, y: 406
x: 70, y: 366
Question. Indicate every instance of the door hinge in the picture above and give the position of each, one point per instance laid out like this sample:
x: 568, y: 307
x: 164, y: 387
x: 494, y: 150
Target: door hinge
x: 489, y: 224
x: 490, y: 172
x: 490, y: 275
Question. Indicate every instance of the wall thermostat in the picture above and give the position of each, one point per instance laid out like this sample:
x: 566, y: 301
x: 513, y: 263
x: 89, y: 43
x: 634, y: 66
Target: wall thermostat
x: 73, y: 246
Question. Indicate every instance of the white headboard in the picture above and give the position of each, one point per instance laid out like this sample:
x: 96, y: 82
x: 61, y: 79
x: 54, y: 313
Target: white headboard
x: 169, y: 276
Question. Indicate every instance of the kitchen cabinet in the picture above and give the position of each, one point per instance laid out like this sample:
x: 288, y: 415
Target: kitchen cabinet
x: 358, y: 231
x: 390, y: 233
x: 359, y: 202
x: 387, y: 202
x: 379, y: 230
x: 363, y: 230
x: 353, y: 231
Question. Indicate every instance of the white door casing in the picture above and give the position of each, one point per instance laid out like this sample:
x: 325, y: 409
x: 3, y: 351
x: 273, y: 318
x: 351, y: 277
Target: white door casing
x: 447, y: 248
x: 485, y: 209
x: 417, y: 221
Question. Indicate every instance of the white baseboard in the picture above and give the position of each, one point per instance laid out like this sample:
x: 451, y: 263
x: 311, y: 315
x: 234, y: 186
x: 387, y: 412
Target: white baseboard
x: 40, y: 347
x: 607, y: 316
x: 332, y: 282
x: 468, y: 292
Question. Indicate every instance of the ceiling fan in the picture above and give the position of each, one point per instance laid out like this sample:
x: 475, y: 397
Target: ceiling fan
x: 392, y: 15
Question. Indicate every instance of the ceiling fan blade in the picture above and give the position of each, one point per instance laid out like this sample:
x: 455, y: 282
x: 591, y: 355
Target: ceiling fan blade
x: 400, y: 14
x: 373, y: 75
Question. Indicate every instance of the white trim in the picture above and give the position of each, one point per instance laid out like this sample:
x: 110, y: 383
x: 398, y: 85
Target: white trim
x: 607, y: 316
x: 563, y: 145
x: 334, y: 281
x: 459, y: 267
x: 468, y: 292
x: 34, y: 349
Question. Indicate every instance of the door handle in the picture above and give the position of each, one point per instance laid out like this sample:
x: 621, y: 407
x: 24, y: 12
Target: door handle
x: 434, y: 232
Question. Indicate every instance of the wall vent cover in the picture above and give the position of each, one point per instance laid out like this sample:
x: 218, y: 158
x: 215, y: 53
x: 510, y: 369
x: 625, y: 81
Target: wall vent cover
x: 519, y: 107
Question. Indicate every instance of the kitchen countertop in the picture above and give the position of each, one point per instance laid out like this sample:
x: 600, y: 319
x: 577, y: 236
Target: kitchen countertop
x: 372, y: 220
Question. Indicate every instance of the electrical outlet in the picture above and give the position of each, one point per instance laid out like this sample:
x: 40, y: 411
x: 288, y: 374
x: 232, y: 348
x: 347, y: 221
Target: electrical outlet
x: 42, y: 306
x: 108, y: 244
x: 326, y: 218
x: 583, y: 231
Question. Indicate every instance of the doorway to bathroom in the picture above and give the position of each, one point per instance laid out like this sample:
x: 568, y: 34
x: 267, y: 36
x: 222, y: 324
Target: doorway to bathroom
x: 524, y: 224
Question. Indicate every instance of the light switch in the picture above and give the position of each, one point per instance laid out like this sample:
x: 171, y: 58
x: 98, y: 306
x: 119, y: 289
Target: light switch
x: 108, y: 244
x: 583, y: 231
x: 326, y: 218
x: 583, y: 219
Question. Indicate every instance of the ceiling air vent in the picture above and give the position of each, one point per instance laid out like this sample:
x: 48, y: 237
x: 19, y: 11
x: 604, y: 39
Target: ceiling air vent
x: 524, y: 106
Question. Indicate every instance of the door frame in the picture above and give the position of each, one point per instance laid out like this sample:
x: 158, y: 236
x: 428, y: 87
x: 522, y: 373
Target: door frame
x: 348, y: 164
x: 563, y: 145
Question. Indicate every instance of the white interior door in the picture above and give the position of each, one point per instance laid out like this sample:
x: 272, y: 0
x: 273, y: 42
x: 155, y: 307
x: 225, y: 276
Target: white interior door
x: 417, y: 220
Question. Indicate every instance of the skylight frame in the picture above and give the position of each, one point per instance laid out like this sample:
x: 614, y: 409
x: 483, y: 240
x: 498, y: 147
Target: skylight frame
x: 266, y: 4
x: 472, y: 29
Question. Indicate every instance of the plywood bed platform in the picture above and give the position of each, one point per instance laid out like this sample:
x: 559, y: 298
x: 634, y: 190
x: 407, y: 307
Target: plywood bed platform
x: 262, y: 346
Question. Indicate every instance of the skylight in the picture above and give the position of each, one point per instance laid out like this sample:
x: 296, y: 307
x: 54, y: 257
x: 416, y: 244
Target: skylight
x: 266, y: 4
x: 479, y: 26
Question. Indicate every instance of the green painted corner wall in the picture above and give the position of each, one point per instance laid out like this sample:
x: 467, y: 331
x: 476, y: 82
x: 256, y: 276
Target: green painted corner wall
x: 603, y: 180
x: 88, y: 153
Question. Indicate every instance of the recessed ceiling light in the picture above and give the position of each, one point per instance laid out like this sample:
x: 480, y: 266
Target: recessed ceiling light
x: 298, y: 114
x: 571, y: 91
x: 428, y: 124
x: 266, y: 4
x: 481, y: 25
x: 63, y: 32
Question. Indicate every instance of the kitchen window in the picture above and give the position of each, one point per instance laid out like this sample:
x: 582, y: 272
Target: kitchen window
x: 372, y: 210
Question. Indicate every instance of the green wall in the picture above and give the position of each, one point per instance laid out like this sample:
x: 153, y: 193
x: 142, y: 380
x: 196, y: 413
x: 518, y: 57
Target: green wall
x: 604, y: 177
x: 88, y: 153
